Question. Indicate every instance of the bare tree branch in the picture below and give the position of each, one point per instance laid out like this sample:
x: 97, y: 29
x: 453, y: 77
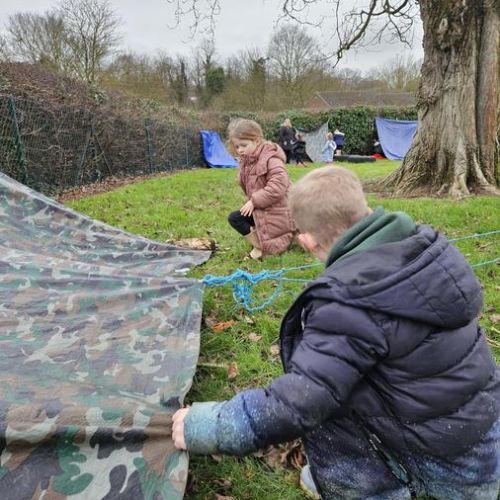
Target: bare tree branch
x: 202, y: 12
x: 354, y: 23
x: 91, y: 34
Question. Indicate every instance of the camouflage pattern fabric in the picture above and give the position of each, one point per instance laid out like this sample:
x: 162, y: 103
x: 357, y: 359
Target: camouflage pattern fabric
x: 315, y: 141
x: 99, y: 343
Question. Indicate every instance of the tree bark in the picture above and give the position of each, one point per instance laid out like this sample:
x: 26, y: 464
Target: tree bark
x: 455, y: 150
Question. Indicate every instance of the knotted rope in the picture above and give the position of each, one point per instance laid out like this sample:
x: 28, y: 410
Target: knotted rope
x: 243, y: 282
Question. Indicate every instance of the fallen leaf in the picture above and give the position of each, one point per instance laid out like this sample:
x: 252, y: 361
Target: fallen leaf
x: 275, y: 350
x: 210, y: 321
x: 495, y: 318
x: 272, y: 457
x: 223, y: 482
x: 217, y: 458
x: 254, y: 337
x: 289, y: 455
x: 223, y: 325
x: 232, y: 370
x: 223, y: 497
x: 196, y: 243
x: 482, y: 246
x: 248, y: 320
x: 296, y: 455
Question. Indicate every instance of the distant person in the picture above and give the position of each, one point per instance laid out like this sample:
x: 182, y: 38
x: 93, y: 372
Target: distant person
x: 377, y: 147
x: 286, y: 139
x: 264, y: 220
x: 338, y: 138
x: 389, y: 379
x: 328, y: 149
x: 299, y: 150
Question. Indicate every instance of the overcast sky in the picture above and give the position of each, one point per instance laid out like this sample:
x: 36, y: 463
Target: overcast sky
x: 241, y: 24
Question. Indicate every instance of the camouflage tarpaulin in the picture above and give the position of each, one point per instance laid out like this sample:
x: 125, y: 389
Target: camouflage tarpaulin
x: 315, y: 141
x: 99, y: 339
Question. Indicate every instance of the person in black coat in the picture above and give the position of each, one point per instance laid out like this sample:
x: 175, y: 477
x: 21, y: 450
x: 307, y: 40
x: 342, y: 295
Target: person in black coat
x: 286, y: 139
x: 299, y: 150
x: 339, y: 139
x: 389, y: 379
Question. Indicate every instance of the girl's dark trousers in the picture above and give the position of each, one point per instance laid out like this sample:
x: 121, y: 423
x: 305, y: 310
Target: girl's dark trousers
x: 241, y: 223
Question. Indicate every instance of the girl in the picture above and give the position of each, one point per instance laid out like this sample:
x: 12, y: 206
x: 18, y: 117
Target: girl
x: 328, y: 149
x: 299, y: 150
x: 286, y: 139
x: 264, y: 220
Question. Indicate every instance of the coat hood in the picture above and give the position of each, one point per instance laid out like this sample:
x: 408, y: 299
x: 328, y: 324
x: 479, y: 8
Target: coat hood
x: 421, y: 278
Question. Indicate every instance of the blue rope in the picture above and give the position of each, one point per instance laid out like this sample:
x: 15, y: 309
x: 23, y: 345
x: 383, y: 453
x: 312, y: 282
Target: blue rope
x: 485, y: 263
x: 243, y: 282
x: 476, y: 235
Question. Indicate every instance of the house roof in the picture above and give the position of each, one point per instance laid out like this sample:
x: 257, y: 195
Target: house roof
x: 336, y: 99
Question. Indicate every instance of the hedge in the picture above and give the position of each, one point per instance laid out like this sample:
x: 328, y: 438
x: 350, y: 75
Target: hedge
x: 357, y: 123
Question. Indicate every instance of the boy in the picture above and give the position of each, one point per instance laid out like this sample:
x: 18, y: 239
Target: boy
x: 388, y: 378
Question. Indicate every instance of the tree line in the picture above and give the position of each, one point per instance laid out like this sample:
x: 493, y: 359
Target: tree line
x: 80, y: 39
x: 456, y: 147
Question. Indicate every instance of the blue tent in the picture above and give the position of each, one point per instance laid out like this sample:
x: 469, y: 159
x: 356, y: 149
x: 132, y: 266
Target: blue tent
x: 395, y: 136
x: 215, y: 153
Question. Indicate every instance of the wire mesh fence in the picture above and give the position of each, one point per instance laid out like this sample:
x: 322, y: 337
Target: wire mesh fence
x: 52, y: 148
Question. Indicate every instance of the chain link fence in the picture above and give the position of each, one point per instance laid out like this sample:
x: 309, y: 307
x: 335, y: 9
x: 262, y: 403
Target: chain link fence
x: 53, y: 148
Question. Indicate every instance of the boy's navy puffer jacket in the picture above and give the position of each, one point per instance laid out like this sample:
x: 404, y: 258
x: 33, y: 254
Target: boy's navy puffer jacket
x: 391, y: 333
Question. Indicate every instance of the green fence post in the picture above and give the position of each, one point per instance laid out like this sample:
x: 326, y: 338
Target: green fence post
x: 21, y: 157
x: 149, y: 144
x: 187, y: 148
x: 95, y: 155
x: 82, y: 157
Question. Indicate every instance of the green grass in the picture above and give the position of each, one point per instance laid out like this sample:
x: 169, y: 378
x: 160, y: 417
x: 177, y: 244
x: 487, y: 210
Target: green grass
x: 195, y: 204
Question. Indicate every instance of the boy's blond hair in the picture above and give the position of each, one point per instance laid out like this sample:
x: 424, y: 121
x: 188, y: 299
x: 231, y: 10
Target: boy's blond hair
x: 326, y: 202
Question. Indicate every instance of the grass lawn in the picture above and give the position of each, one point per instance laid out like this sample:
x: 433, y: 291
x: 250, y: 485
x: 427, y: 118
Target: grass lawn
x: 195, y: 204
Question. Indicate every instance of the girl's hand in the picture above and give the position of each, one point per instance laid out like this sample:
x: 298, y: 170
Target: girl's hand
x: 247, y: 209
x: 178, y: 428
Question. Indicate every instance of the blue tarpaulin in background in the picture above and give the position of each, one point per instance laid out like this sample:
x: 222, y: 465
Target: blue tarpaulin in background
x: 215, y: 153
x: 395, y: 136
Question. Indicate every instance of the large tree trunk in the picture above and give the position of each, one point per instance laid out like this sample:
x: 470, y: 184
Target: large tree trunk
x: 455, y: 150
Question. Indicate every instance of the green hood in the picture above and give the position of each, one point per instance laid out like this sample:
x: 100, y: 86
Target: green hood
x: 374, y: 229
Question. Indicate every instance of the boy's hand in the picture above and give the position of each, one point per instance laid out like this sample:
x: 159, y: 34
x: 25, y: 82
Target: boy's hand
x: 247, y: 209
x: 178, y: 428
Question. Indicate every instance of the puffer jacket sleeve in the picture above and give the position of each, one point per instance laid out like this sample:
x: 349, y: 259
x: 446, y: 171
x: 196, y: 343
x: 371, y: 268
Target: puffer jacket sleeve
x: 325, y: 367
x: 277, y: 183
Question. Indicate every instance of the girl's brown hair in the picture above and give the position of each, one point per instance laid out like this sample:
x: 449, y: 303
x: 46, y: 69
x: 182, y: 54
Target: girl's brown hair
x: 246, y: 130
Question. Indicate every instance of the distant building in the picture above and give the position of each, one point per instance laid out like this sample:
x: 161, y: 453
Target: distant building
x: 324, y: 101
